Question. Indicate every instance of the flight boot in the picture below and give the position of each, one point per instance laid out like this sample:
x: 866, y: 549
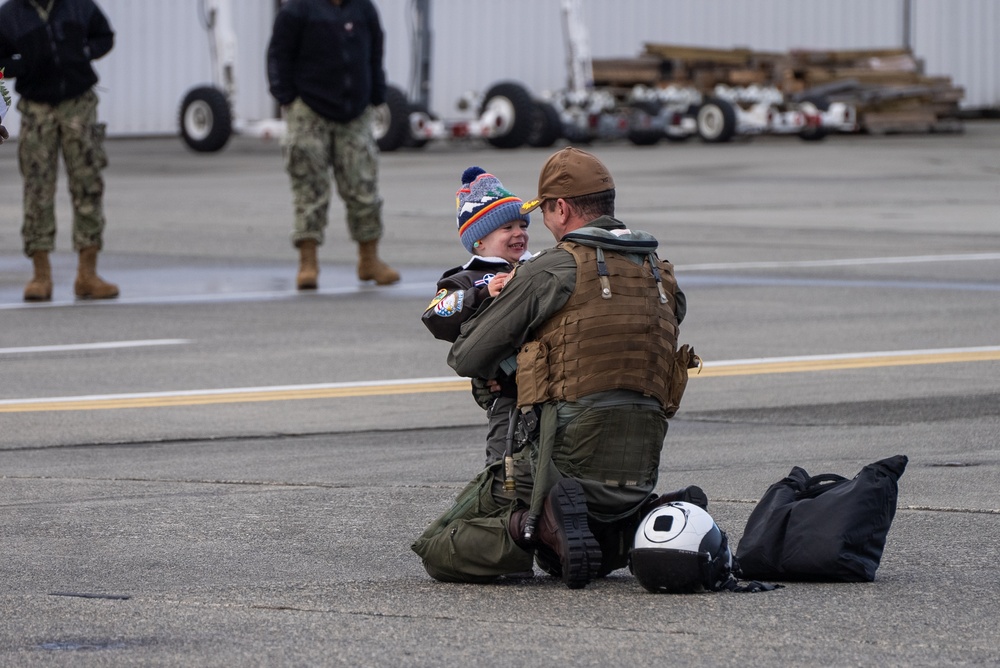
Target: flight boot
x: 562, y: 534
x: 39, y: 288
x: 371, y: 268
x: 692, y: 494
x: 308, y: 276
x: 88, y: 284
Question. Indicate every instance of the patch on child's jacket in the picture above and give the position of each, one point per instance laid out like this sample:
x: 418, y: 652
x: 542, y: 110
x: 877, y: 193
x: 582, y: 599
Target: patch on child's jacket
x: 485, y: 280
x: 438, y: 297
x: 450, y: 305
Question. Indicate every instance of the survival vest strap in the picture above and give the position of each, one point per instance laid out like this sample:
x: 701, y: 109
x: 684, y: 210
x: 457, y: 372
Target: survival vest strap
x: 751, y: 587
x: 620, y: 241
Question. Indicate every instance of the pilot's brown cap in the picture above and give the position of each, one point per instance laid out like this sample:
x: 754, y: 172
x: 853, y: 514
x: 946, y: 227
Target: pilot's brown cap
x: 570, y: 173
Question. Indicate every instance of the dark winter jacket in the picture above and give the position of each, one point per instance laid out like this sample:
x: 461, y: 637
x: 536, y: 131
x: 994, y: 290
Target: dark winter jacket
x: 329, y: 55
x: 460, y: 293
x: 51, y: 60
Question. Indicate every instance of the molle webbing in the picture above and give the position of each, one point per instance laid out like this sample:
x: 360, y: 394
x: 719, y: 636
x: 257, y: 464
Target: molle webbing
x: 597, y: 342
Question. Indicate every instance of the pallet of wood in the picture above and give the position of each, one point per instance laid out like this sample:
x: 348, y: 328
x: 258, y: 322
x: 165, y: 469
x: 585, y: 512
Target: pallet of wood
x: 628, y: 72
x: 888, y: 87
x: 706, y: 68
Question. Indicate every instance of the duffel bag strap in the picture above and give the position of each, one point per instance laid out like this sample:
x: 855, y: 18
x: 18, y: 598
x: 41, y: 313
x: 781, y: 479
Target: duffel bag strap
x: 818, y: 484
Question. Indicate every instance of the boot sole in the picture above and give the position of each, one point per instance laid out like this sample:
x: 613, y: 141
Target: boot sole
x: 307, y: 281
x: 42, y: 293
x: 582, y: 559
x: 696, y: 495
x: 93, y: 295
x: 390, y: 281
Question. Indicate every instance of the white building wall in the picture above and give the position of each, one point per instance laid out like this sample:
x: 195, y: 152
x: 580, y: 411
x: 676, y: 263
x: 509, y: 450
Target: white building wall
x: 162, y: 49
x: 961, y: 39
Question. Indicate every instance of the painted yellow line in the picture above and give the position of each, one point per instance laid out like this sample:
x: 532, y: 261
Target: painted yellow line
x: 845, y: 362
x: 232, y: 397
x: 432, y: 385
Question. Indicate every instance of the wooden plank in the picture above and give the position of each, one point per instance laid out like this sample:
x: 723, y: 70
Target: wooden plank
x: 844, y: 57
x: 740, y: 56
x: 627, y: 71
x: 815, y: 76
x: 744, y: 77
x: 916, y: 120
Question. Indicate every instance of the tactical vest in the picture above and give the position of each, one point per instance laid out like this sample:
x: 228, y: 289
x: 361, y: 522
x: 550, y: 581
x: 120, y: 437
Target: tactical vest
x: 617, y: 331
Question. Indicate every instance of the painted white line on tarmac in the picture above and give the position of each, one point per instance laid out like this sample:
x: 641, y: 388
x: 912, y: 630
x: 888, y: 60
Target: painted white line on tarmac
x: 925, y: 353
x: 105, y: 345
x: 425, y: 288
x: 847, y: 262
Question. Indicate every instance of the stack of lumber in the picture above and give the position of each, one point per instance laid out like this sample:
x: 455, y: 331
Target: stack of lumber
x: 886, y: 86
x: 628, y: 72
x: 704, y: 68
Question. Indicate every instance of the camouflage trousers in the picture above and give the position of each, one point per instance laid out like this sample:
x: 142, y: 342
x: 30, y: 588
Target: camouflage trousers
x: 71, y: 127
x: 314, y: 145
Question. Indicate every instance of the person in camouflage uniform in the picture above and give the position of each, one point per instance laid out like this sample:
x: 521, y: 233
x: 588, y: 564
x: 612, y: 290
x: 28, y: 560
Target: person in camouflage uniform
x: 48, y: 46
x: 324, y: 66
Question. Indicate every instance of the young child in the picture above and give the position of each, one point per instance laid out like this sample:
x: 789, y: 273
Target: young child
x: 493, y: 229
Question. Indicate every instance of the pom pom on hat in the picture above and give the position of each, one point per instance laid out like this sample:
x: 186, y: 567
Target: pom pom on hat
x: 484, y: 205
x: 470, y: 174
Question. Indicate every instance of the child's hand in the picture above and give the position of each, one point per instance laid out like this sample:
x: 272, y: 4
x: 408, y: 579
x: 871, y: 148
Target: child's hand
x: 496, y: 284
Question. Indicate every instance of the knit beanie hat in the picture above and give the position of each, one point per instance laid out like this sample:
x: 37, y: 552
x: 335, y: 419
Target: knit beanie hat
x: 484, y: 205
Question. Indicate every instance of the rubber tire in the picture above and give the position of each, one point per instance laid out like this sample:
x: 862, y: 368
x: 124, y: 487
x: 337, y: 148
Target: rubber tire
x: 417, y: 142
x: 822, y: 103
x: 522, y: 105
x: 716, y: 121
x: 546, y: 126
x: 392, y: 128
x: 205, y: 119
x: 643, y: 136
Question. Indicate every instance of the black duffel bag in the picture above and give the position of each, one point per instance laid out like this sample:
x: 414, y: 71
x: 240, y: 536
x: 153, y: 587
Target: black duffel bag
x: 822, y: 528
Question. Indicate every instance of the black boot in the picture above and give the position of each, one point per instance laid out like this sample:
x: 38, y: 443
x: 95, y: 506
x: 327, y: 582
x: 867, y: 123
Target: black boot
x: 693, y: 494
x: 564, y: 531
x: 564, y: 546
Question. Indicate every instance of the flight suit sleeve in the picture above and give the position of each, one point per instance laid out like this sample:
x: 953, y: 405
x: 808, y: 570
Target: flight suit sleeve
x: 538, y: 289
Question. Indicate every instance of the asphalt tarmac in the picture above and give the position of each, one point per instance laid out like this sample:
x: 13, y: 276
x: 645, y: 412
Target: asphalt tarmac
x: 215, y: 470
